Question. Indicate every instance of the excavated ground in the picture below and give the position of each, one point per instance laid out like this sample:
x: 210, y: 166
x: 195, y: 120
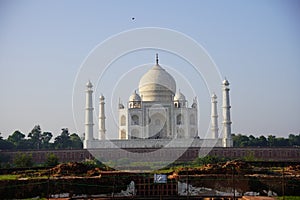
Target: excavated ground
x: 79, y: 179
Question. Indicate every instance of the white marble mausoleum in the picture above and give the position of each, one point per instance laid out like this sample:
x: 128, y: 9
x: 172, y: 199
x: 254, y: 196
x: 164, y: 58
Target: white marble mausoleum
x: 158, y: 115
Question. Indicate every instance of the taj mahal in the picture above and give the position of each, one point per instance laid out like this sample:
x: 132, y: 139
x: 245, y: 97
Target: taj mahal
x: 158, y: 115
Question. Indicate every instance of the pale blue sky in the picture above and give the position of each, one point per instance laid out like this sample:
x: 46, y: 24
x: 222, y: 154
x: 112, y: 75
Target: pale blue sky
x: 255, y: 44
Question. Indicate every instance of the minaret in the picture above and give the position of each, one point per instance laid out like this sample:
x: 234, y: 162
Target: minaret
x: 214, y: 117
x: 102, y: 118
x: 227, y: 142
x: 88, y: 115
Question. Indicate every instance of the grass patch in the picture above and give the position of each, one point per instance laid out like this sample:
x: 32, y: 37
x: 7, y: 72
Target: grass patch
x: 15, y: 177
x: 163, y: 171
x: 288, y: 198
x: 9, y: 177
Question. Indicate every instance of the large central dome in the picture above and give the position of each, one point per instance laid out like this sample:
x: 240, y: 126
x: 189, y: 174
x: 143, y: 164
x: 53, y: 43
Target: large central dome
x: 157, y: 85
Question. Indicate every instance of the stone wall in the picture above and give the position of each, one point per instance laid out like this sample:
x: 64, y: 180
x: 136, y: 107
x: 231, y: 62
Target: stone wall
x: 263, y: 154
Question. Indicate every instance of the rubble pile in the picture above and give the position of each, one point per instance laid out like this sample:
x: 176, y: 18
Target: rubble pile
x: 238, y: 167
x: 94, y: 172
x: 70, y: 169
x: 293, y: 170
x: 229, y: 167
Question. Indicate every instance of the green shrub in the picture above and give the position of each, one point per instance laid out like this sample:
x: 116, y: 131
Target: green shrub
x: 51, y: 160
x: 23, y: 160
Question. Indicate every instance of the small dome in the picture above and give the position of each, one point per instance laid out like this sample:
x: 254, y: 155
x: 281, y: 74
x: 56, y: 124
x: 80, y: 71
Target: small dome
x: 89, y: 84
x: 214, y: 96
x: 135, y: 97
x: 179, y: 97
x: 101, y: 97
x: 225, y: 82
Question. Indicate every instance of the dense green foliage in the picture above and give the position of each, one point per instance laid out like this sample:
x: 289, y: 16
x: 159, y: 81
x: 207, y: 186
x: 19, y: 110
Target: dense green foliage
x: 4, y: 144
x: 36, y: 139
x: 23, y: 160
x: 200, y: 161
x: 51, y: 160
x: 67, y: 141
x: 262, y: 141
x: 207, y: 160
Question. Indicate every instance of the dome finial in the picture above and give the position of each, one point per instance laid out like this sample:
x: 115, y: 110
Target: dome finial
x: 225, y: 82
x: 157, y: 59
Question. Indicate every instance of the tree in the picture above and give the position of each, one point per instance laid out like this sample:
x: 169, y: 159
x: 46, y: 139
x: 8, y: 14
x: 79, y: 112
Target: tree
x: 63, y: 140
x: 281, y: 142
x: 206, y: 160
x: 23, y: 160
x: 16, y: 138
x: 262, y: 141
x: 240, y: 140
x: 271, y: 140
x: 36, y: 137
x: 76, y: 141
x: 294, y: 140
x: 4, y: 161
x: 251, y: 141
x: 46, y: 137
x: 51, y: 160
x: 250, y: 156
x: 5, y: 144
x: 19, y: 141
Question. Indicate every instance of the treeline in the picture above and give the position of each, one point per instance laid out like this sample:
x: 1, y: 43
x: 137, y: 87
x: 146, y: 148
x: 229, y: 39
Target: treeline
x: 240, y: 140
x: 37, y: 139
